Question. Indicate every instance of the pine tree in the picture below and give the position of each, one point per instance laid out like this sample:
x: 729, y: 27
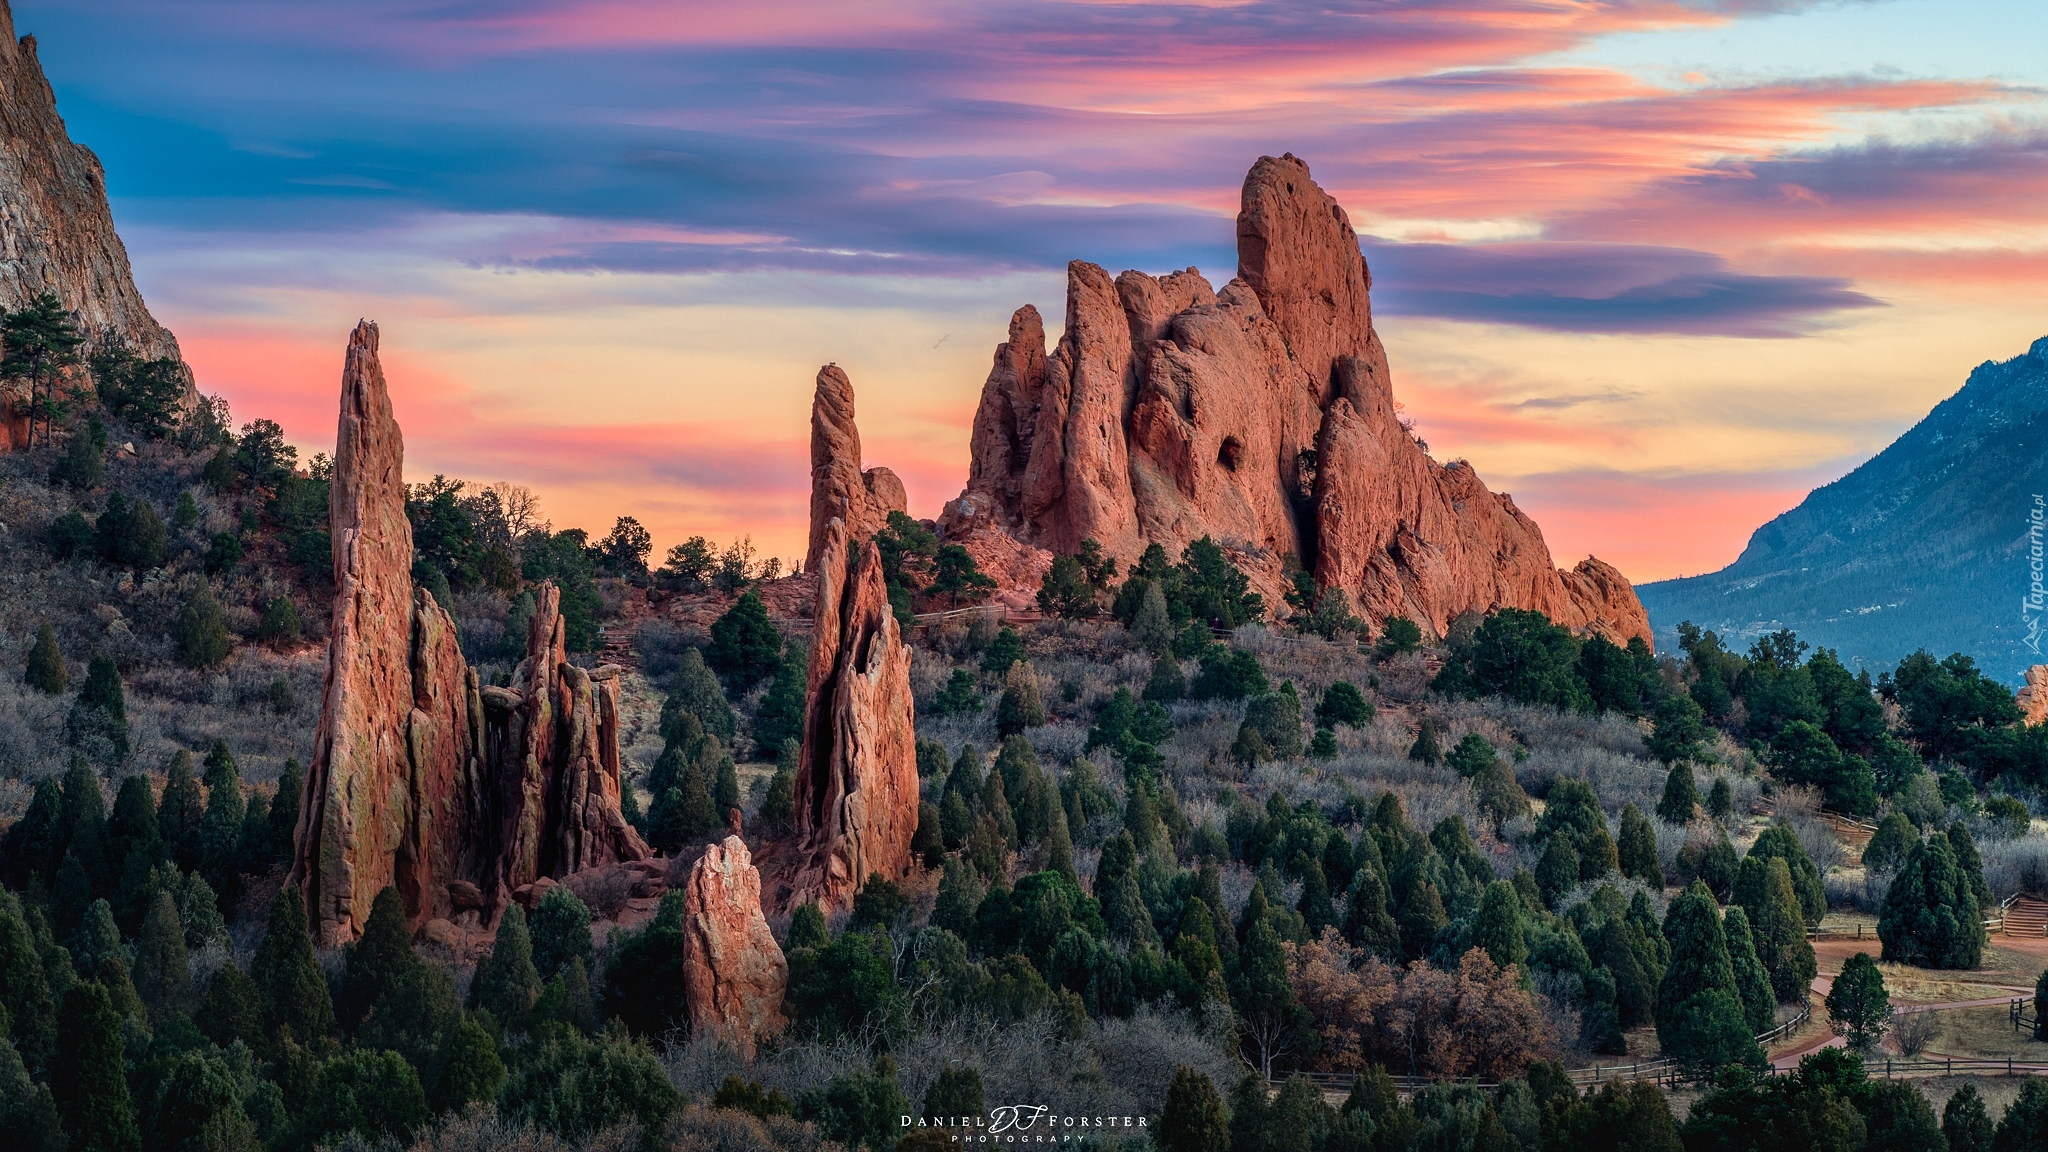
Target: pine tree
x: 25, y: 994
x: 291, y: 990
x: 232, y: 1010
x: 1681, y: 795
x: 1780, y: 841
x: 162, y: 975
x: 725, y: 794
x: 695, y: 690
x: 471, y: 1070
x: 2025, y: 1123
x: 1427, y: 748
x: 134, y: 848
x: 1930, y: 916
x: 1965, y: 1123
x: 98, y: 722
x: 1778, y: 926
x: 220, y: 828
x: 280, y: 623
x: 807, y: 928
x: 1752, y: 981
x: 1192, y: 1118
x: 377, y: 962
x: 506, y: 984
x: 1368, y: 925
x: 180, y: 810
x: 1720, y: 799
x: 1125, y: 915
x: 1638, y: 848
x: 1421, y: 917
x: 1859, y: 1008
x: 1557, y: 870
x: 1969, y: 863
x: 88, y: 1078
x: 28, y: 1113
x: 1059, y: 845
x: 202, y: 629
x: 1020, y: 707
x: 98, y: 938
x: 1151, y: 625
x: 1498, y: 926
x: 560, y: 929
x: 781, y: 713
x: 1699, y: 958
x: 46, y: 663
x: 960, y: 893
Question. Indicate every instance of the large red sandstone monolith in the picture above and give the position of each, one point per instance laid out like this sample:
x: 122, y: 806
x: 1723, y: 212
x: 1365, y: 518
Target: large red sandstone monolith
x: 398, y: 712
x: 856, y: 782
x: 2033, y: 696
x: 1261, y: 416
x: 454, y: 793
x: 839, y: 488
x: 734, y: 974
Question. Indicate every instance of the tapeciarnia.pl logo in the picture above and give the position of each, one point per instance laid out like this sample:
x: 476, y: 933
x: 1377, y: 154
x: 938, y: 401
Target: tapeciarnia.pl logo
x: 2035, y: 602
x: 1022, y: 1124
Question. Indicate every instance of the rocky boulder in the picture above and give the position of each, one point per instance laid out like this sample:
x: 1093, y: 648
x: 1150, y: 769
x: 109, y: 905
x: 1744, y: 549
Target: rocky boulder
x: 839, y: 488
x: 1262, y: 416
x: 734, y: 974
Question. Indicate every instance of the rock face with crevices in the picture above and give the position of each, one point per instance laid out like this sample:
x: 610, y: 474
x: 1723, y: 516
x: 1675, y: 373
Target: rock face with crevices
x: 453, y: 792
x: 839, y: 488
x: 856, y: 783
x: 56, y: 230
x: 2033, y: 695
x: 1262, y: 416
x: 734, y: 974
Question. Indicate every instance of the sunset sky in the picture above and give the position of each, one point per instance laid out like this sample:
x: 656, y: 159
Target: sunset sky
x: 1656, y: 268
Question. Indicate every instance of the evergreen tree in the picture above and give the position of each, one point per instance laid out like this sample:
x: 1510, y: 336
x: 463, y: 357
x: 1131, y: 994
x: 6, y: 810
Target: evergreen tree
x: 25, y: 995
x: 1969, y: 863
x: 220, y: 828
x: 956, y: 1093
x: 1886, y: 850
x: 1637, y: 850
x: 1020, y: 707
x: 1343, y: 704
x: 506, y: 984
x: 162, y: 973
x: 37, y: 342
x: 1752, y: 981
x: 133, y: 846
x: 98, y: 722
x: 1780, y: 841
x: 88, y: 1079
x: 807, y: 928
x: 1930, y: 917
x: 1557, y: 871
x: 1498, y: 926
x: 202, y: 629
x: 1677, y: 733
x: 280, y: 623
x: 83, y: 465
x: 198, y: 1105
x: 1427, y: 748
x: 745, y: 646
x: 1681, y: 794
x: 1859, y: 1008
x: 1720, y: 799
x: 959, y: 896
x: 1763, y: 887
x: 1699, y: 964
x: 725, y: 791
x: 28, y: 1114
x: 2024, y: 1127
x: 694, y: 690
x: 98, y: 938
x: 1152, y: 625
x: 1965, y: 1123
x: 291, y: 990
x: 46, y: 663
x: 1421, y: 918
x: 377, y: 962
x: 781, y: 713
x: 560, y: 929
x: 180, y: 811
x: 232, y: 1010
x: 1167, y: 683
x: 471, y: 1070
x: 1059, y: 845
x: 1368, y: 925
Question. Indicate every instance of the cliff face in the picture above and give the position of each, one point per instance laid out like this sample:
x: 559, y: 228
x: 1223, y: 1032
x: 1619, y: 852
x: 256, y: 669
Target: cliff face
x: 734, y: 973
x: 1262, y: 416
x: 56, y: 231
x: 454, y: 793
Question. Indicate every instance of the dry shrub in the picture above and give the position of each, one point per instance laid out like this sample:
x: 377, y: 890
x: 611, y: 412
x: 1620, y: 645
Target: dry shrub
x: 1914, y: 1031
x: 604, y: 890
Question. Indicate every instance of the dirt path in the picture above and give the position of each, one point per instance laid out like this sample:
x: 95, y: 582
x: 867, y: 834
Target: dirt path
x: 1825, y: 982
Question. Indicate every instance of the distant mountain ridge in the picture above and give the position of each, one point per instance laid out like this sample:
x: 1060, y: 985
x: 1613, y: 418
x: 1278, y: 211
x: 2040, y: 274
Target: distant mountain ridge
x: 1935, y: 542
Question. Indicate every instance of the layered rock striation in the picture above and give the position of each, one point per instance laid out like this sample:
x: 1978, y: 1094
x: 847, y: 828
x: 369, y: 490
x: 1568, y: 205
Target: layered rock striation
x: 856, y: 785
x: 840, y: 489
x: 56, y: 230
x: 1262, y: 416
x: 422, y: 778
x: 734, y: 974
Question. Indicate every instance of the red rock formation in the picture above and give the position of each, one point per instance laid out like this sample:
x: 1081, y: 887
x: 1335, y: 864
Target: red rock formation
x: 56, y: 231
x: 734, y: 975
x: 856, y: 781
x: 839, y: 489
x: 2033, y: 696
x: 1263, y: 417
x: 552, y: 762
x: 422, y: 779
